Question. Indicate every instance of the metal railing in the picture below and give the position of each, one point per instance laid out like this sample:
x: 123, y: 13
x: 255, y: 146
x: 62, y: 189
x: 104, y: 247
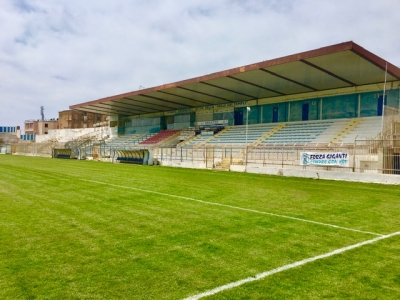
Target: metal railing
x: 364, y: 156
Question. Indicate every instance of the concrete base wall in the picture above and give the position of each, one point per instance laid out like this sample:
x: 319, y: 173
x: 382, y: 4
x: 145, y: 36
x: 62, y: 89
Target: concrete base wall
x: 313, y: 174
x: 190, y: 165
x: 319, y: 174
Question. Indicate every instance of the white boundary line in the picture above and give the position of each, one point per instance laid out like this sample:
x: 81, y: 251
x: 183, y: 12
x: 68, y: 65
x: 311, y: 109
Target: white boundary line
x: 287, y: 267
x: 234, y: 207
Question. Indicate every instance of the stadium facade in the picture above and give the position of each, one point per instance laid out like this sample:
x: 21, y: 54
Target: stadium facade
x: 340, y: 100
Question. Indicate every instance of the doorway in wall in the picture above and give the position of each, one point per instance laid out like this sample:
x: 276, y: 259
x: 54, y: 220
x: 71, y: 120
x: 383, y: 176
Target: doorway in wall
x: 275, y: 112
x: 379, y: 109
x: 238, y: 117
x: 305, y: 111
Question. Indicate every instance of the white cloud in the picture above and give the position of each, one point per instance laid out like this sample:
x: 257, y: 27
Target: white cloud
x: 59, y: 53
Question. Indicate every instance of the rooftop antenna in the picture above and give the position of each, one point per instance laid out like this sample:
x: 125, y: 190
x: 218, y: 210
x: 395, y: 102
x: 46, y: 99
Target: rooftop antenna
x: 42, y: 112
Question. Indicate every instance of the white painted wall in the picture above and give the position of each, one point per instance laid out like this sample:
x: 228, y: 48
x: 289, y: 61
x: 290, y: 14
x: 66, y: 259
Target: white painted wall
x: 320, y: 174
x: 65, y: 135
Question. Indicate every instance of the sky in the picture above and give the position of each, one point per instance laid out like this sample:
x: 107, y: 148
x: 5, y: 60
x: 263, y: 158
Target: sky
x: 64, y: 52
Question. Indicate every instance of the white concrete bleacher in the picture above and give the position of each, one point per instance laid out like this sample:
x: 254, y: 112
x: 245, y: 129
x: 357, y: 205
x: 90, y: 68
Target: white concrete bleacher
x: 343, y: 131
x: 124, y: 141
x: 315, y: 132
x: 236, y: 135
x: 298, y: 133
x: 327, y: 136
x: 365, y: 129
x: 195, y: 141
x: 267, y: 134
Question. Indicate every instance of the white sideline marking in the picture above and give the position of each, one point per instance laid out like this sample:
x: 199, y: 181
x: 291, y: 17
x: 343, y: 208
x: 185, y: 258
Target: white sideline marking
x: 286, y: 267
x: 234, y: 207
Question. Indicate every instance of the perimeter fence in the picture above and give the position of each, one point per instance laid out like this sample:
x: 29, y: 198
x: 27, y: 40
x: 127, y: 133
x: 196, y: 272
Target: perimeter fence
x: 364, y: 156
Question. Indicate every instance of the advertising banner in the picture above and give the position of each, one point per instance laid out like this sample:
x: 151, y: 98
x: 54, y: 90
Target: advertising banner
x: 337, y: 159
x: 215, y: 122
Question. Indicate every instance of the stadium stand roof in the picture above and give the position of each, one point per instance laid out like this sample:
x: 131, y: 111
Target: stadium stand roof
x: 332, y: 67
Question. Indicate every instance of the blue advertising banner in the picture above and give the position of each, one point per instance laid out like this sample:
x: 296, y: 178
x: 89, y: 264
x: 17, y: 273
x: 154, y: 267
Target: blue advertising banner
x: 338, y: 159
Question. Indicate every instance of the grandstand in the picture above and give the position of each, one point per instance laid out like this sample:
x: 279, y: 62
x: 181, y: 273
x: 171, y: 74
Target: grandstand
x: 329, y: 100
x: 319, y: 132
x: 336, y: 99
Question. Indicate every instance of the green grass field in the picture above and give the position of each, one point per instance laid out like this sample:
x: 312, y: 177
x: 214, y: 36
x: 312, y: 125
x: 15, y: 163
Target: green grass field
x: 90, y: 230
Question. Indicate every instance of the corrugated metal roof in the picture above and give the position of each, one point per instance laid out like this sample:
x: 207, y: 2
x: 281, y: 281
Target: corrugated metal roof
x: 337, y: 66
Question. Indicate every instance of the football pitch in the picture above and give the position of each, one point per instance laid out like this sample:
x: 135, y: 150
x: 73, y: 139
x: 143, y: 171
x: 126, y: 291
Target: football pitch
x: 91, y: 230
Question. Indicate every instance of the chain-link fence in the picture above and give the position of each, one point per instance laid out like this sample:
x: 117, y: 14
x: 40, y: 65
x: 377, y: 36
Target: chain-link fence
x: 379, y: 156
x: 364, y: 156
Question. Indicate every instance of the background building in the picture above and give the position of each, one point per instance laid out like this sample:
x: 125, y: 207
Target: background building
x: 8, y: 135
x: 79, y: 119
x: 39, y: 126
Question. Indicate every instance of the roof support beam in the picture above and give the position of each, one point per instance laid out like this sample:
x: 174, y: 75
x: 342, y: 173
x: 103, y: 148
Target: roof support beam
x: 256, y: 85
x: 327, y: 72
x: 205, y: 94
x: 187, y: 98
x: 116, y: 104
x: 225, y: 89
x: 129, y: 107
x: 99, y: 110
x: 163, y: 100
x: 152, y: 104
x: 288, y: 79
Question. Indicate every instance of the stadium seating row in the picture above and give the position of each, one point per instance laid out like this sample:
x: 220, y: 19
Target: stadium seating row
x: 342, y: 131
x: 294, y: 133
x: 127, y: 141
x: 163, y: 135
